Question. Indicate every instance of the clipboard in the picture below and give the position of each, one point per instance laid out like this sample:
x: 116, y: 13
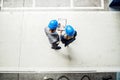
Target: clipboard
x: 62, y: 23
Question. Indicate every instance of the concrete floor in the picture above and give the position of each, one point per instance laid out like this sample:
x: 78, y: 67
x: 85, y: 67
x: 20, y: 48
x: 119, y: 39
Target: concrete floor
x: 24, y: 45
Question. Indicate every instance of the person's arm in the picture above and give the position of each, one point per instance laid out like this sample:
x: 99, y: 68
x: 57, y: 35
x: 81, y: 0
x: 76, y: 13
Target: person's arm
x: 61, y: 32
x: 69, y: 41
x: 61, y: 29
x: 45, y: 30
x: 75, y: 34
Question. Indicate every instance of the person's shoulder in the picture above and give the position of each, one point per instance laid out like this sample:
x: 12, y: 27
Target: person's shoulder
x: 75, y: 34
x: 46, y: 28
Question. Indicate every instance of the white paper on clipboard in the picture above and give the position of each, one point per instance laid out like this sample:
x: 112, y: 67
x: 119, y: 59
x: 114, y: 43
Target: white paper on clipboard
x: 62, y: 23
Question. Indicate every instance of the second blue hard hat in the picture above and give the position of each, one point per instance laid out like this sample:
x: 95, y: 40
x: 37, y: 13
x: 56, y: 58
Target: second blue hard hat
x: 69, y: 30
x: 53, y: 24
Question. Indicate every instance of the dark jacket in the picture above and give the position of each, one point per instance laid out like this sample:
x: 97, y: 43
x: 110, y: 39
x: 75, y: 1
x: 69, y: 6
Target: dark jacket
x: 67, y: 42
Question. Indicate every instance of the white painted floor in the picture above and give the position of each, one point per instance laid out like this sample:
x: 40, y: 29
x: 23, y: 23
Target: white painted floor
x: 24, y: 45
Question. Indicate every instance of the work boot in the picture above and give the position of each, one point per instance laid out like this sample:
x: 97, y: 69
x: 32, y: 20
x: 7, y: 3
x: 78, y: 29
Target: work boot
x: 66, y: 44
x: 56, y: 48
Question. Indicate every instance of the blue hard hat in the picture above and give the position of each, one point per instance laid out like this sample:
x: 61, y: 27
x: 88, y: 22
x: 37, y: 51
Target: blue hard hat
x: 69, y: 30
x: 53, y: 24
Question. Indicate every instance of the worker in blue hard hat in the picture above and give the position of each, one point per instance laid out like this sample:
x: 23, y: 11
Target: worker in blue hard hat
x: 52, y: 35
x: 69, y: 36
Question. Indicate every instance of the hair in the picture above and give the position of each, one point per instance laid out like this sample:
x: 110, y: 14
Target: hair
x: 52, y: 30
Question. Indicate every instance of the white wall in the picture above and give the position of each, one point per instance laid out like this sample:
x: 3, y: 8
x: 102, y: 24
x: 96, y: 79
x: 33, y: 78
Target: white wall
x: 24, y: 44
